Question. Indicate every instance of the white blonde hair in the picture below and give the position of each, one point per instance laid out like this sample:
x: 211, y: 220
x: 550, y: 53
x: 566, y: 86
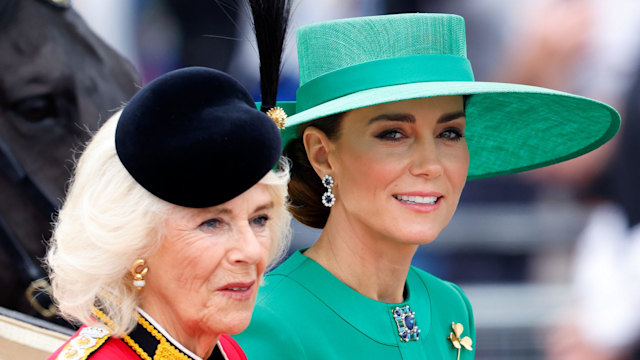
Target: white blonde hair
x: 108, y: 221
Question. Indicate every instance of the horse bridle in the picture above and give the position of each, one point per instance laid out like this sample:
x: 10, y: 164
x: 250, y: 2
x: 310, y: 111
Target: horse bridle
x: 38, y: 290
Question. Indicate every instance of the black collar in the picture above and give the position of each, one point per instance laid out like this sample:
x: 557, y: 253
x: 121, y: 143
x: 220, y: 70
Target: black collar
x: 151, y: 341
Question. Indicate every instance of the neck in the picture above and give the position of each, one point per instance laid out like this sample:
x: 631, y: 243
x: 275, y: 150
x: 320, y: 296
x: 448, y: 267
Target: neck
x: 370, y: 263
x: 198, y: 342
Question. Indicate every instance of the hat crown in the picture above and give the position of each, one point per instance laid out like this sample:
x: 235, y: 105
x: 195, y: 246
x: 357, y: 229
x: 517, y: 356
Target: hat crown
x: 333, y: 45
x: 193, y: 137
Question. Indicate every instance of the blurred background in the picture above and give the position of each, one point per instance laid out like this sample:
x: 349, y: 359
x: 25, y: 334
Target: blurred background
x: 550, y: 259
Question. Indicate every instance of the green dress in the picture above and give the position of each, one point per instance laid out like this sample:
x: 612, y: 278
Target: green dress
x: 304, y: 312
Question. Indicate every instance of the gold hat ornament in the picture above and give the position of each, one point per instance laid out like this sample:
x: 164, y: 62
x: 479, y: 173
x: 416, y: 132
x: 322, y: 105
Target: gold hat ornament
x: 278, y: 116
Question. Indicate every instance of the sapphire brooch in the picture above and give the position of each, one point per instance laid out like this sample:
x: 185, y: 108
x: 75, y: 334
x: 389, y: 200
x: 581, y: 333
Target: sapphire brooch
x: 406, y: 322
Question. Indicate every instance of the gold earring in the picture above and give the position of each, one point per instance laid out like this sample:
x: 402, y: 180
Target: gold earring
x: 139, y: 269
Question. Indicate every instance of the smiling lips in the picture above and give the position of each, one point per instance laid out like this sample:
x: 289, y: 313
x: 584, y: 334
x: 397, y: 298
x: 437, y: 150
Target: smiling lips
x: 238, y: 291
x: 421, y: 203
x: 424, y: 200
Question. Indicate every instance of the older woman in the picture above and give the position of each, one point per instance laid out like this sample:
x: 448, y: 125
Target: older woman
x: 169, y: 223
x: 389, y: 126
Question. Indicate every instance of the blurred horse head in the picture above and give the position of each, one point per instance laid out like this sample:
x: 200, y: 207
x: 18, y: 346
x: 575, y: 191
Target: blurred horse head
x: 58, y: 82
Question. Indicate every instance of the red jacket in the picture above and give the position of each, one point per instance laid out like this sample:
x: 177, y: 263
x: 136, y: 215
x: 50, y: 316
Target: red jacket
x: 95, y: 343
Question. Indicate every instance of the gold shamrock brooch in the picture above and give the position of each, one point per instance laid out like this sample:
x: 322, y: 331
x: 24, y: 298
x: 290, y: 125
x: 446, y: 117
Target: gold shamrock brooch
x: 457, y: 342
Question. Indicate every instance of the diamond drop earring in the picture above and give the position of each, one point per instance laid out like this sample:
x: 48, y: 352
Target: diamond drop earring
x: 328, y: 199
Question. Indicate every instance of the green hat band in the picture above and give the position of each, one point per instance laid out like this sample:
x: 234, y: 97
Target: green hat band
x: 380, y: 73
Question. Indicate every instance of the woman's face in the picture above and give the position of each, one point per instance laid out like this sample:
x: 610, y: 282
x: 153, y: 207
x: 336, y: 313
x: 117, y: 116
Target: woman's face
x: 400, y: 167
x: 205, y: 275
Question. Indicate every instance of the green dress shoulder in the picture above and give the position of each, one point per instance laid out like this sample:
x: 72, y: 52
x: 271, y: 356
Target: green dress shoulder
x: 304, y: 312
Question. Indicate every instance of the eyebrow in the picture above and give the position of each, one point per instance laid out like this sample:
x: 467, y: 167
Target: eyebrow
x: 409, y: 118
x: 266, y: 206
x: 226, y: 210
x: 451, y: 116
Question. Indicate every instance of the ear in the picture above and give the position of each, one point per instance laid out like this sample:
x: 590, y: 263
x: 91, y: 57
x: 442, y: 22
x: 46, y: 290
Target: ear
x: 318, y: 146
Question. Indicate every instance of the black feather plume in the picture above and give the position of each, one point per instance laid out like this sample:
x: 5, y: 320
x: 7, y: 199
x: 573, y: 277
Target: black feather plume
x: 270, y: 20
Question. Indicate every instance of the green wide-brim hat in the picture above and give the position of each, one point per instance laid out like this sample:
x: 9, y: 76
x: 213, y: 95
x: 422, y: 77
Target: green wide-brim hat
x: 353, y: 63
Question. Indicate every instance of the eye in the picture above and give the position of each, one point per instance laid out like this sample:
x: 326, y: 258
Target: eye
x: 260, y: 220
x: 391, y: 135
x: 211, y: 224
x: 451, y: 134
x: 36, y: 109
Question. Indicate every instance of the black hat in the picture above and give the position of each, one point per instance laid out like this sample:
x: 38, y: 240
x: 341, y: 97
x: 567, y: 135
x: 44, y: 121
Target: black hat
x: 194, y: 138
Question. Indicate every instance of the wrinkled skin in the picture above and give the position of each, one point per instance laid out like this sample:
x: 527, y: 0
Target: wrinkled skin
x: 58, y: 82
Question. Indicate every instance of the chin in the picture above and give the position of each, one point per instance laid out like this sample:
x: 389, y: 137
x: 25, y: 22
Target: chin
x: 237, y: 327
x: 228, y: 320
x: 421, y: 240
x: 418, y: 236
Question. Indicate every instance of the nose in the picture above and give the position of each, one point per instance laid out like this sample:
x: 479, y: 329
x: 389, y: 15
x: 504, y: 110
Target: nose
x: 248, y: 248
x: 426, y: 161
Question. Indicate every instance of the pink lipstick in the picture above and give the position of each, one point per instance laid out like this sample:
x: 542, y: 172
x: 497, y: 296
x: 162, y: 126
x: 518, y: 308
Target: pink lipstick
x: 420, y: 201
x: 238, y: 290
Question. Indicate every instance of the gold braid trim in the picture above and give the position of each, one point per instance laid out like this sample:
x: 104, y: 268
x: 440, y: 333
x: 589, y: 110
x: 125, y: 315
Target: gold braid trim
x: 143, y: 355
x: 164, y: 351
x: 97, y: 312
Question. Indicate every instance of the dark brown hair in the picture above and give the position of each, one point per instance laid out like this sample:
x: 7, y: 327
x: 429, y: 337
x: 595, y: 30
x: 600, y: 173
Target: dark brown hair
x: 305, y: 187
